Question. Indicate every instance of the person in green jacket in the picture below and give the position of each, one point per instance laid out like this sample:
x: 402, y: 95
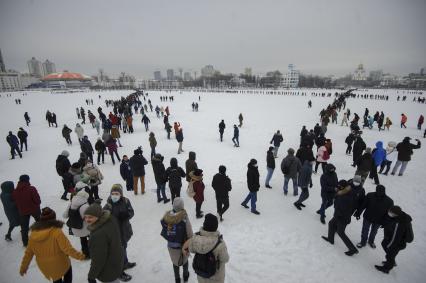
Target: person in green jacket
x: 105, y: 248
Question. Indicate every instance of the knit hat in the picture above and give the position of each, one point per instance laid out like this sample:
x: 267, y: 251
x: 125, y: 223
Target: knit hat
x: 178, y: 204
x: 47, y: 214
x: 396, y: 210
x: 342, y: 184
x: 65, y: 153
x: 357, y: 180
x: 117, y: 188
x: 222, y: 169
x: 24, y: 178
x: 94, y: 209
x: 290, y: 151
x: 210, y: 223
x: 270, y: 148
x: 198, y: 172
x: 253, y: 161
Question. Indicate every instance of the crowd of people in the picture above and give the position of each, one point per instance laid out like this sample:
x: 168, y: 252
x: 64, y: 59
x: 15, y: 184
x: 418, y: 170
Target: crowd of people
x: 104, y: 231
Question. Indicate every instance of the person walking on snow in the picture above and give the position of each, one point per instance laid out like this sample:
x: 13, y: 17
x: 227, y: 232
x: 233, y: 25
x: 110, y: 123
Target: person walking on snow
x: 198, y: 187
x: 403, y: 120
x: 66, y: 133
x: 221, y: 184
x: 160, y: 177
x: 235, y: 138
x: 137, y: 163
x: 290, y: 167
x: 222, y: 127
x: 146, y: 121
x: 23, y: 135
x: 277, y: 139
x: 79, y: 131
x: 420, y: 122
x: 240, y: 119
x: 13, y: 142
x: 253, y: 186
x: 304, y: 181
x: 405, y: 150
x: 270, y: 166
x: 27, y: 118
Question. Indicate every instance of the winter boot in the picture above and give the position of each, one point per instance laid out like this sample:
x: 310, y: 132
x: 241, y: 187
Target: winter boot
x: 351, y: 252
x: 327, y: 240
x: 7, y: 237
x: 297, y: 206
x: 382, y: 269
x: 125, y: 277
x: 360, y: 245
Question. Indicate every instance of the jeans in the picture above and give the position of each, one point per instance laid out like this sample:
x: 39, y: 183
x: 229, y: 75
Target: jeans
x: 275, y: 151
x: 236, y: 141
x: 67, y: 278
x: 24, y: 142
x: 252, y: 197
x: 198, y: 208
x: 397, y: 164
x: 269, y: 175
x: 326, y: 203
x: 366, y: 228
x: 337, y: 226
x: 349, y: 149
x: 285, y: 188
x: 222, y: 204
x: 185, y: 271
x: 180, y: 148
x: 101, y: 154
x: 303, y: 196
x: 13, y: 149
x: 146, y: 127
x: 152, y: 152
x: 25, y: 225
x: 322, y: 166
x: 161, y: 189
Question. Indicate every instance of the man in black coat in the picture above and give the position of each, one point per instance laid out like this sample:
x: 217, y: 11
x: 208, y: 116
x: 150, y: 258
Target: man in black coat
x: 160, y: 177
x: 100, y: 149
x: 397, y: 233
x: 343, y: 210
x: 87, y: 148
x: 405, y: 150
x: 376, y: 205
x: 270, y: 166
x: 23, y: 135
x: 137, y: 163
x: 13, y: 142
x: 63, y: 165
x: 329, y: 184
x: 126, y: 172
x: 221, y: 129
x: 359, y: 147
x: 305, y: 153
x: 253, y: 186
x: 174, y: 175
x: 276, y: 140
x: 221, y: 184
x: 364, y: 165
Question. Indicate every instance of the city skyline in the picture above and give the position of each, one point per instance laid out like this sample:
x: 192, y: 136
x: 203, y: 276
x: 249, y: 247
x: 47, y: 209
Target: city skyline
x: 327, y: 38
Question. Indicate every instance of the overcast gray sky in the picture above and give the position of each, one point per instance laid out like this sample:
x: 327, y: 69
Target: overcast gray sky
x: 139, y: 37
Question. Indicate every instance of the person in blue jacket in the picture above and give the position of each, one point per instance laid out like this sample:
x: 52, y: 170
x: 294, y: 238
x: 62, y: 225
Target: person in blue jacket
x: 379, y: 155
x: 13, y: 142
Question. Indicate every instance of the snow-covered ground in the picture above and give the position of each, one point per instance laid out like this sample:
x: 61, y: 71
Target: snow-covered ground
x: 282, y: 244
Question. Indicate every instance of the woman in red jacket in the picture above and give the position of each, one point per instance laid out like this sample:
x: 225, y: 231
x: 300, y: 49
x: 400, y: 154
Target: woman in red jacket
x: 198, y: 185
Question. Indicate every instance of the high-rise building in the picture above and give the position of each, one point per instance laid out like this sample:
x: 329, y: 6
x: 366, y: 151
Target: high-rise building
x: 34, y: 67
x: 291, y: 78
x: 48, y: 68
x: 207, y: 71
x: 359, y: 74
x: 157, y: 75
x: 170, y: 75
x: 9, y: 81
x: 2, y: 66
x: 247, y: 72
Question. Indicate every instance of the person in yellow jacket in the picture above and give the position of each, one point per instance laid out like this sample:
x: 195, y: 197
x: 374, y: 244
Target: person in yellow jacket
x: 51, y: 248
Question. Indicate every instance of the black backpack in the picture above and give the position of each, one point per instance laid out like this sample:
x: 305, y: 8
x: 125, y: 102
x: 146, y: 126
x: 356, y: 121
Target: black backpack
x: 206, y: 265
x: 74, y: 218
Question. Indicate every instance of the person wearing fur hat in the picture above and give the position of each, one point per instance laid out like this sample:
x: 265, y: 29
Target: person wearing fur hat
x: 198, y: 185
x: 397, y: 232
x: 206, y: 240
x: 137, y: 163
x: 270, y: 166
x: 405, y: 150
x: 121, y: 208
x: 160, y: 177
x: 343, y: 210
x: 95, y: 178
x: 51, y: 248
x: 253, y: 186
x: 27, y: 201
x: 174, y: 175
x: 75, y: 213
x: 391, y: 155
x: 10, y: 208
x: 221, y: 184
x: 375, y: 206
x: 178, y: 217
x: 106, y: 252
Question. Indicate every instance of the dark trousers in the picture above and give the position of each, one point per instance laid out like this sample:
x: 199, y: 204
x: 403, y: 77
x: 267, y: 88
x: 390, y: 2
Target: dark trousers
x: 390, y: 257
x: 175, y: 192
x: 349, y: 149
x: 374, y: 175
x: 89, y: 155
x: 13, y: 153
x: 152, y: 152
x: 9, y: 231
x: 84, y: 241
x: 366, y: 228
x: 198, y: 208
x: 25, y: 225
x: 326, y: 203
x: 303, y: 196
x: 185, y: 271
x: 168, y: 135
x: 221, y: 136
x: 101, y: 154
x: 22, y: 144
x: 236, y: 141
x: 68, y: 140
x: 93, y: 194
x: 112, y: 156
x: 66, y: 191
x: 338, y: 226
x: 222, y: 204
x: 161, y: 192
x: 67, y: 278
x: 317, y: 163
x: 387, y: 164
